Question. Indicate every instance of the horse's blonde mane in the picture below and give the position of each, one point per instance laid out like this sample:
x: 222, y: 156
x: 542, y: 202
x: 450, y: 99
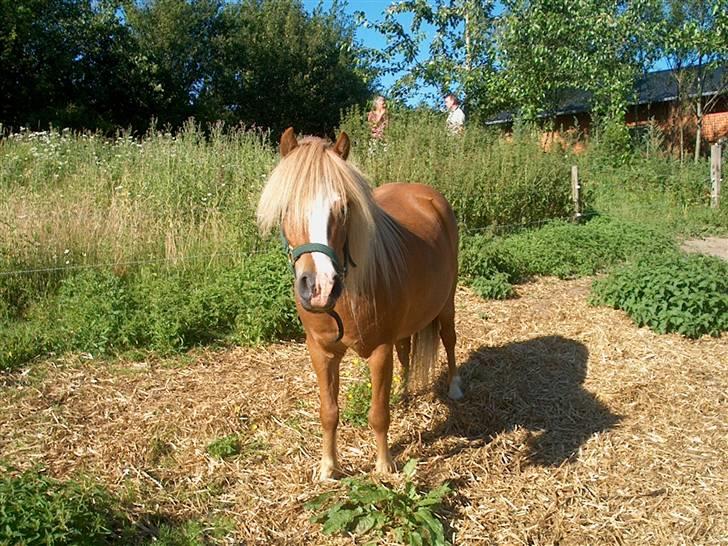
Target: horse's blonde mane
x: 311, y: 170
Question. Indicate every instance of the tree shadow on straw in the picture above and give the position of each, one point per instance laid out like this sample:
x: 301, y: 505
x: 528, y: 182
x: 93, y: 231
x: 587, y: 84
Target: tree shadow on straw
x: 536, y: 385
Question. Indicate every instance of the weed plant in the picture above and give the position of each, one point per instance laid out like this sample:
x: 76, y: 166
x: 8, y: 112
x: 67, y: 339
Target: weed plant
x: 359, y: 396
x: 488, y: 179
x: 37, y: 510
x: 376, y: 510
x: 687, y: 294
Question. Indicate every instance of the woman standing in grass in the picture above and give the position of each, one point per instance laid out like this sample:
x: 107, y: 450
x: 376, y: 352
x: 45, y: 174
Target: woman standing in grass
x: 378, y: 118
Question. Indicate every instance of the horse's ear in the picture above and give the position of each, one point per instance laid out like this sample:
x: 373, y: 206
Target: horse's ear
x: 343, y: 145
x: 288, y: 142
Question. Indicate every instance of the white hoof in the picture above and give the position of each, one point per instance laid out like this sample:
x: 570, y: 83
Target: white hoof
x: 455, y: 392
x: 328, y: 471
x: 386, y: 466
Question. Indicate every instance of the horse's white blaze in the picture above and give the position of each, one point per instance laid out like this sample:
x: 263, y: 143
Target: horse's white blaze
x: 318, y: 228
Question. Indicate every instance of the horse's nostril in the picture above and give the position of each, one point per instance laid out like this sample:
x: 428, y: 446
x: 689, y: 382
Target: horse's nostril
x: 305, y: 285
x: 338, y: 287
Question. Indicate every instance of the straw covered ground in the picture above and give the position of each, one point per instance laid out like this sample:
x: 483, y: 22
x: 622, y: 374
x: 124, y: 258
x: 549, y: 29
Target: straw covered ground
x: 577, y: 428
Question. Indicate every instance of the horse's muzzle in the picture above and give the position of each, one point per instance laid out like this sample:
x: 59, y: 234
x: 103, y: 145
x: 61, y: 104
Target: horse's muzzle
x: 311, y: 293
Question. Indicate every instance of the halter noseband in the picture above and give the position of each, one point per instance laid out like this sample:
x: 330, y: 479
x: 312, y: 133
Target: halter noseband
x: 294, y: 253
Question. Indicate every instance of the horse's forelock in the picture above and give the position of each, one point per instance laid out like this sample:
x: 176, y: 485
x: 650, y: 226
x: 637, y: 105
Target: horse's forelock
x: 313, y: 170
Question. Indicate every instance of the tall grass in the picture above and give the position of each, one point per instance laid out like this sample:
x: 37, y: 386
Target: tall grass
x: 149, y: 242
x: 490, y: 180
x: 651, y: 187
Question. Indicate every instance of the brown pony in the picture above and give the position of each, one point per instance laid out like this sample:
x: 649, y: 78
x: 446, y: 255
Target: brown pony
x: 373, y: 269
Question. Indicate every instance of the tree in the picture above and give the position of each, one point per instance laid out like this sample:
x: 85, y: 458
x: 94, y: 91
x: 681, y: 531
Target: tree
x: 694, y: 41
x: 275, y: 66
x: 457, y: 55
x: 66, y: 62
x: 176, y: 40
x: 549, y: 48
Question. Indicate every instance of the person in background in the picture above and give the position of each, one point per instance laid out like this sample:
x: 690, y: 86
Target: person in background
x: 378, y: 118
x: 455, y: 116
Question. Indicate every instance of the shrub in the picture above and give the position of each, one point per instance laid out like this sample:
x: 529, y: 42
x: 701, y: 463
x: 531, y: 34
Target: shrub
x: 670, y: 293
x: 91, y: 312
x: 560, y: 249
x: 37, y: 509
x: 494, y: 287
x: 267, y: 309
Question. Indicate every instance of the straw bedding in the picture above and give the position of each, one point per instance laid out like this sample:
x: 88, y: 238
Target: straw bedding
x: 577, y: 428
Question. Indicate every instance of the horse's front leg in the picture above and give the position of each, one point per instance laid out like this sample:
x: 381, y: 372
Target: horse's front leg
x: 326, y: 366
x: 380, y: 366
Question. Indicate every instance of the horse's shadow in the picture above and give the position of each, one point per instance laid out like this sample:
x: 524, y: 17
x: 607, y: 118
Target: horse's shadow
x: 534, y: 385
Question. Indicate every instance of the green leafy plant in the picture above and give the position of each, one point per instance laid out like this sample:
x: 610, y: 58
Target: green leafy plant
x: 494, y: 287
x: 687, y: 294
x: 359, y: 397
x: 225, y: 447
x: 37, y: 509
x: 366, y: 507
x: 233, y: 445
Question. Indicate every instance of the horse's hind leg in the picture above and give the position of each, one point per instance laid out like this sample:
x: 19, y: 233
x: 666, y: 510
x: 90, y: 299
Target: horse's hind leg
x: 326, y: 366
x: 448, y: 337
x: 380, y: 366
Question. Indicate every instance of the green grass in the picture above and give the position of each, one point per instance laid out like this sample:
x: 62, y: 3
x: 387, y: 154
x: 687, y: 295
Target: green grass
x: 656, y: 191
x: 148, y: 245
x: 36, y: 510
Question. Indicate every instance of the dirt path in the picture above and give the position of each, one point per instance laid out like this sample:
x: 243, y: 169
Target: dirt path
x: 577, y: 427
x: 714, y: 246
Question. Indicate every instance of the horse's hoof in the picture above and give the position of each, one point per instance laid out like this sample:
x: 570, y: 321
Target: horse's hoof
x: 329, y: 472
x: 385, y: 467
x: 455, y: 392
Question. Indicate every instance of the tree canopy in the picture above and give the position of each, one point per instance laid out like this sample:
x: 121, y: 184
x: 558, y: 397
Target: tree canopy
x: 119, y: 63
x: 271, y: 64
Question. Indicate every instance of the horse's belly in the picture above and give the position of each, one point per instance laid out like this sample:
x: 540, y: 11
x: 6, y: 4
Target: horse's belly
x: 431, y: 243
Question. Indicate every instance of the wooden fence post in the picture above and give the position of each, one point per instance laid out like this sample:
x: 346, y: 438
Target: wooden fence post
x: 575, y: 192
x: 715, y: 174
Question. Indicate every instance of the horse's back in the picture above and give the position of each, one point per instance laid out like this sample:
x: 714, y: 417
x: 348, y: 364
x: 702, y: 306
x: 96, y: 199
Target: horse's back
x: 423, y: 213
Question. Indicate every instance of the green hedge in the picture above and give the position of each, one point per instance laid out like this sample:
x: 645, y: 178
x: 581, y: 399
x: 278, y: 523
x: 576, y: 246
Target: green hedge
x: 490, y: 264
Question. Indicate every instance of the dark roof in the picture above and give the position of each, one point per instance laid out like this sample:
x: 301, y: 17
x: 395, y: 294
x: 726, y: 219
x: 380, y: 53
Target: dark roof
x: 651, y: 88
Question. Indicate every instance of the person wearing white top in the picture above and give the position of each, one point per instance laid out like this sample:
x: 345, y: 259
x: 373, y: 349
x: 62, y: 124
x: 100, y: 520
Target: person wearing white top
x: 456, y: 116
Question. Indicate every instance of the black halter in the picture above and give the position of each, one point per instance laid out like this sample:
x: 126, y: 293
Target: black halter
x: 294, y: 253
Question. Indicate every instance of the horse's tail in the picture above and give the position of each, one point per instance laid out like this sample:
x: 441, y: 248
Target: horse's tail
x: 425, y: 346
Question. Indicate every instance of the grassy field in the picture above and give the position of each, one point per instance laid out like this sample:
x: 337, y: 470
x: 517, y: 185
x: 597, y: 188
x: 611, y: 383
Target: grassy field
x: 146, y: 397
x: 120, y: 245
